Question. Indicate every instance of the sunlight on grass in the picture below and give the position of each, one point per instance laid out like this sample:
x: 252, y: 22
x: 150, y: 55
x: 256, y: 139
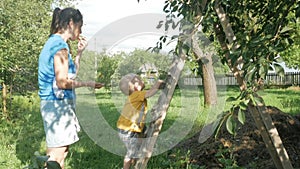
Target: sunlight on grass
x: 19, y: 136
x: 23, y: 135
x: 287, y: 100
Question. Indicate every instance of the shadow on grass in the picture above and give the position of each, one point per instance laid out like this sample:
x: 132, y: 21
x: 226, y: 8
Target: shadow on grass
x: 29, y: 138
x: 27, y: 129
x: 87, y: 153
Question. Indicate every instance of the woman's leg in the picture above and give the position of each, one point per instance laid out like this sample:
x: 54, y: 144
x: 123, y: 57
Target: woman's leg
x: 127, y: 163
x: 58, y: 154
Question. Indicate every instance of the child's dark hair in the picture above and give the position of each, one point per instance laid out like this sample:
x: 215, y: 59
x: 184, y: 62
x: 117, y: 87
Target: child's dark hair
x: 62, y: 17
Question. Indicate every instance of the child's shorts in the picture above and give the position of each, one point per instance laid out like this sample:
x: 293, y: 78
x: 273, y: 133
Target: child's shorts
x: 132, y: 142
x: 60, y: 122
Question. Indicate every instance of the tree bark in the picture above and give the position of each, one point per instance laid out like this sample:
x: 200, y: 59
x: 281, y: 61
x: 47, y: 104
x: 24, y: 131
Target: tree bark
x: 4, y: 99
x: 229, y: 35
x: 209, y: 81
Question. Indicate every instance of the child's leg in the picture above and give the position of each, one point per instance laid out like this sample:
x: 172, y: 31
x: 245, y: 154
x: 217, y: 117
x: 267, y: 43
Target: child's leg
x: 130, y: 139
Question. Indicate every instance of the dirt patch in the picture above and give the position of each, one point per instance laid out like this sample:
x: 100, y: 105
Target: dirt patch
x: 247, y: 149
x: 294, y: 88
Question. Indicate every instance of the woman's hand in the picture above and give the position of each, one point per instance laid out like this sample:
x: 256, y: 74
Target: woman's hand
x: 99, y: 85
x: 82, y: 44
x: 95, y: 85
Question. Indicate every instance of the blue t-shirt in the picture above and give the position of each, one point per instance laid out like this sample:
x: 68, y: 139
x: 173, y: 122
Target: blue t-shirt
x: 46, y: 72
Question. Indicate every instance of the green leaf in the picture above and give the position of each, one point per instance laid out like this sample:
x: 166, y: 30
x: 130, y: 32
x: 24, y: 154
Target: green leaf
x: 174, y: 37
x: 241, y: 116
x: 174, y: 3
x: 42, y: 158
x: 279, y: 69
x: 175, y: 8
x: 251, y: 73
x: 263, y: 70
x: 230, y: 99
x: 40, y: 161
x: 243, y: 105
x: 285, y: 29
x: 186, y: 49
x: 253, y: 100
x: 230, y: 124
x: 259, y: 100
x: 279, y: 59
x: 53, y: 165
x: 166, y: 6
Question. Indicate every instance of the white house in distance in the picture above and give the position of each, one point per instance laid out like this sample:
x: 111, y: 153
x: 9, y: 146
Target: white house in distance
x: 286, y: 69
x: 149, y: 72
x: 291, y: 76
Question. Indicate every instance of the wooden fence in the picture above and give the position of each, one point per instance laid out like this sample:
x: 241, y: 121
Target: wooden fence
x: 272, y: 79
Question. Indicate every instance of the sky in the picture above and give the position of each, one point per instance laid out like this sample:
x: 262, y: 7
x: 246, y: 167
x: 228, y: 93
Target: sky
x: 104, y: 14
x: 99, y: 13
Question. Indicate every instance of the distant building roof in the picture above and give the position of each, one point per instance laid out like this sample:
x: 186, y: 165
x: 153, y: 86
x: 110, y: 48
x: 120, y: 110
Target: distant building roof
x: 286, y: 69
x: 148, y: 67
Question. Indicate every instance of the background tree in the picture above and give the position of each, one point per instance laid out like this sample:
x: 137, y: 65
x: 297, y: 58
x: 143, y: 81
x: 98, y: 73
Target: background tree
x: 133, y: 61
x: 23, y: 31
x: 106, y: 68
x: 292, y: 53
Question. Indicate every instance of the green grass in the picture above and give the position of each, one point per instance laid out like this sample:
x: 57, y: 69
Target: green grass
x: 286, y: 100
x: 23, y: 134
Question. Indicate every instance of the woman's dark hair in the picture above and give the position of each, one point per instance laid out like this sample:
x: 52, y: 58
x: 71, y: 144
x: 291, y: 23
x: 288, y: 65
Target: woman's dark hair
x: 62, y: 17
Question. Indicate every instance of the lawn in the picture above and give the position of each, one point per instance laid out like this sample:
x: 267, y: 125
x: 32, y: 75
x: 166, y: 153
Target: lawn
x: 23, y: 136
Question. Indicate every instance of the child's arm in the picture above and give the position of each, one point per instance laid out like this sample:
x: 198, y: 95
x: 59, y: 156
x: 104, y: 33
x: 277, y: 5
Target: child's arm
x: 154, y: 88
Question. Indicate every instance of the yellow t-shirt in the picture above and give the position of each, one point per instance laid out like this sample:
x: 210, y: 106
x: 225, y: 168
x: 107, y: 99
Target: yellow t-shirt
x: 134, y: 112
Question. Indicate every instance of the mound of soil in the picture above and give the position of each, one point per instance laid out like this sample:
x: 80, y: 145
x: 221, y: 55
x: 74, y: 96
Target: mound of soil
x: 247, y: 148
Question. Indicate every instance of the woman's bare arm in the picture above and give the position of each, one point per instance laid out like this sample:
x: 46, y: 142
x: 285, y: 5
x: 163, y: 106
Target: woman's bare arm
x: 61, y: 66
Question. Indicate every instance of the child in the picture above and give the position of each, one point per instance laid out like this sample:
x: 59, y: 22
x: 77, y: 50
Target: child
x: 131, y: 123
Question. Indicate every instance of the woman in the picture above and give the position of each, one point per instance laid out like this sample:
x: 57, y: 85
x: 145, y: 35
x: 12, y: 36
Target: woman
x: 56, y: 68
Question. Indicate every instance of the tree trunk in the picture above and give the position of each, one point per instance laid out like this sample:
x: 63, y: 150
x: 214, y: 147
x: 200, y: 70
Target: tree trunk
x: 208, y: 78
x: 209, y: 84
x: 4, y: 99
x: 229, y: 35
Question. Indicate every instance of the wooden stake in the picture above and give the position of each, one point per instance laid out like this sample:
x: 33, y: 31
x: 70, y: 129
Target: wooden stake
x: 158, y: 114
x: 270, y: 136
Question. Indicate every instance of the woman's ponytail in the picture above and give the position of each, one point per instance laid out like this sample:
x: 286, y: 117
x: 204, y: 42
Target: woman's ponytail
x: 55, y: 21
x: 62, y: 17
